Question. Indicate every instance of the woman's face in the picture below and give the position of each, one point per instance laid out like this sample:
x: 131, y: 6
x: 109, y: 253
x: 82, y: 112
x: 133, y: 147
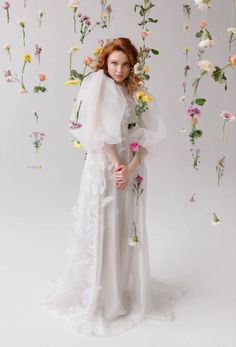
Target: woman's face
x: 118, y: 66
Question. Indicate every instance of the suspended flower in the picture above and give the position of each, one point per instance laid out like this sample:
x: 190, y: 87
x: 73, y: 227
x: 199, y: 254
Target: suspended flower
x: 202, y: 24
x: 21, y: 23
x: 232, y: 34
x: 86, y: 26
x: 87, y: 60
x: 39, y: 88
x: 35, y: 113
x: 206, y: 43
x: 232, y: 59
x: 37, y: 138
x: 228, y: 117
x: 7, y: 48
x: 75, y: 125
x: 77, y: 144
x: 74, y: 4
x: 134, y: 146
x: 206, y: 65
x: 193, y: 111
x: 37, y: 52
x: 215, y: 220
x: 195, y: 151
x: 134, y: 240
x: 6, y: 5
x: 41, y: 14
x: 220, y: 168
x: 192, y: 198
x: 203, y: 4
x: 72, y: 82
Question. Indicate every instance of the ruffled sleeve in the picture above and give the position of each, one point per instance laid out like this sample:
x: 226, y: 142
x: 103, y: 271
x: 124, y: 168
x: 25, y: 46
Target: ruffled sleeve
x: 98, y: 111
x: 151, y: 130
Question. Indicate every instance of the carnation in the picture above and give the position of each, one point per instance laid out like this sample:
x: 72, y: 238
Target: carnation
x: 206, y: 65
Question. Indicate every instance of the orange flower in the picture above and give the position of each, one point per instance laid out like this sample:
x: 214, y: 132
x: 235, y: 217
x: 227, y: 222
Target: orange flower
x: 202, y: 24
x: 42, y: 77
x: 232, y: 59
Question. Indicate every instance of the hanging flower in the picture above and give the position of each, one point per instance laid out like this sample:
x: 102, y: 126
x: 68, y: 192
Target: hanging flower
x: 37, y: 52
x: 134, y: 146
x: 228, y: 117
x: 39, y: 88
x: 195, y: 152
x: 192, y: 198
x: 134, y: 240
x: 202, y: 24
x: 41, y: 14
x: 74, y: 4
x: 88, y: 60
x: 21, y: 23
x: 77, y: 144
x: 75, y: 125
x: 72, y: 82
x: 37, y: 138
x: 7, y: 48
x: 86, y: 26
x: 215, y: 220
x: 206, y: 65
x: 105, y: 14
x: 232, y: 35
x: 232, y: 60
x: 6, y: 5
x: 35, y: 113
x: 220, y: 168
x: 8, y: 76
x: 136, y: 189
x: 193, y: 111
x: 203, y: 4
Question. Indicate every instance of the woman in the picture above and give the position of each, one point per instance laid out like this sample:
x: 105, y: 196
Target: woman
x: 106, y: 287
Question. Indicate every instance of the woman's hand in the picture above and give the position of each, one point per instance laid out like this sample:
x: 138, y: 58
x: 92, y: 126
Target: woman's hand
x: 123, y: 172
x: 121, y: 183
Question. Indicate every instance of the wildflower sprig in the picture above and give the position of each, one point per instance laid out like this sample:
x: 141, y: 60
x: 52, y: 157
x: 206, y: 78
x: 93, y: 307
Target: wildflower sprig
x: 106, y: 11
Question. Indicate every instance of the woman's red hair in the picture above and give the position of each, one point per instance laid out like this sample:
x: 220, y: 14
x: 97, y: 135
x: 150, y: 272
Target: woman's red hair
x: 125, y: 45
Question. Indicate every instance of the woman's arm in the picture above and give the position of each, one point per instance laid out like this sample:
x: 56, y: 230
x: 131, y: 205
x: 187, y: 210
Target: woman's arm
x: 125, y: 171
x: 112, y: 154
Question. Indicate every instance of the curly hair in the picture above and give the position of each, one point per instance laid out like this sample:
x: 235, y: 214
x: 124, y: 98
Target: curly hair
x: 125, y: 45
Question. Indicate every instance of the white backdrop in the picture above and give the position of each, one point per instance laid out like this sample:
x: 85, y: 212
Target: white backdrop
x: 35, y: 205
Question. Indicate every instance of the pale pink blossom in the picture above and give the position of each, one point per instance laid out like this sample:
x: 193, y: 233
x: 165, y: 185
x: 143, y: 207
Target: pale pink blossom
x: 227, y: 116
x: 134, y: 146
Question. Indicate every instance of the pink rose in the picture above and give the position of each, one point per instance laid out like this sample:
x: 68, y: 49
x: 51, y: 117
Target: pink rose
x: 6, y: 5
x: 144, y: 34
x: 233, y: 59
x: 134, y: 146
x: 87, y: 60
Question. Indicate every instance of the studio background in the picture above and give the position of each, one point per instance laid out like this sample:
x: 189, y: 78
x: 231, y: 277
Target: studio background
x: 35, y: 205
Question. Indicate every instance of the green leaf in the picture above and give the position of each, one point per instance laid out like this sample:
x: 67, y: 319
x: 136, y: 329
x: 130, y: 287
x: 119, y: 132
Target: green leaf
x: 151, y: 20
x: 154, y: 51
x: 200, y: 101
x: 198, y: 34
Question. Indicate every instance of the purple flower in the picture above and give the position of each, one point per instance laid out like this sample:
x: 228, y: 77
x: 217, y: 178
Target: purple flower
x: 6, y: 5
x: 139, y: 179
x: 75, y: 125
x: 193, y: 111
x: 7, y: 73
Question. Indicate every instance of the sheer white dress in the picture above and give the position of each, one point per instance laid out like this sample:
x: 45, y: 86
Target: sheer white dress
x: 106, y: 286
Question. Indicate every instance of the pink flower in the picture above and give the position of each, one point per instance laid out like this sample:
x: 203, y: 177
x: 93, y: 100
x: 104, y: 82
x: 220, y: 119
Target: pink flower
x: 87, y: 60
x: 233, y: 59
x: 139, y: 179
x: 134, y: 146
x: 227, y: 116
x: 75, y: 125
x: 101, y: 42
x: 144, y: 34
x: 23, y: 91
x: 7, y: 73
x: 6, y: 5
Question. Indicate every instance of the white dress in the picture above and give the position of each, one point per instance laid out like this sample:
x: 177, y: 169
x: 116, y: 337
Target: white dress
x: 106, y: 286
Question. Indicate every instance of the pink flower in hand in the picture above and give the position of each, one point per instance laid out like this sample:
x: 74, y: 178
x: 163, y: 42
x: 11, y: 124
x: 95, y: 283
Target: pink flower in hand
x: 134, y: 146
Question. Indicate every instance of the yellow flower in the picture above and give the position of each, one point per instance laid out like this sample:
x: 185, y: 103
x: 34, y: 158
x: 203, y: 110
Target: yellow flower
x: 76, y: 144
x: 186, y: 50
x: 27, y: 57
x: 72, y: 82
x: 140, y: 95
x: 147, y: 98
x: 21, y: 23
x: 97, y: 51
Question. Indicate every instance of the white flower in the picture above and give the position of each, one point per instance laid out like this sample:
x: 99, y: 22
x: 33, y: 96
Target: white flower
x: 206, y: 43
x: 231, y: 30
x: 206, y: 65
x: 203, y: 4
x: 7, y: 46
x: 73, y: 4
x: 132, y: 242
x: 74, y: 49
x: 23, y: 91
x: 41, y: 12
x: 182, y: 98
